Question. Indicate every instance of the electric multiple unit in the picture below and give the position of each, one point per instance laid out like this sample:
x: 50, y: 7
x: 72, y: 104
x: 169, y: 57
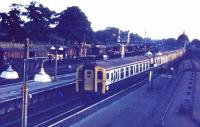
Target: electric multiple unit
x: 100, y: 76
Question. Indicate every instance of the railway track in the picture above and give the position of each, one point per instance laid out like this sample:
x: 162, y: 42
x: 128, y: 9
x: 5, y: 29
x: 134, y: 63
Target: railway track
x: 43, y: 115
x: 66, y: 111
x: 187, y: 67
x: 39, y: 112
x: 88, y: 105
x: 179, y: 78
x: 55, y: 110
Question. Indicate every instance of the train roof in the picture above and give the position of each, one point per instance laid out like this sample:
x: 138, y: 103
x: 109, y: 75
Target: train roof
x: 114, y: 63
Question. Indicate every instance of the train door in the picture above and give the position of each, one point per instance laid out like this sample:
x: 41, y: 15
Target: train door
x: 99, y: 87
x: 89, y: 80
x: 100, y: 84
x: 79, y: 78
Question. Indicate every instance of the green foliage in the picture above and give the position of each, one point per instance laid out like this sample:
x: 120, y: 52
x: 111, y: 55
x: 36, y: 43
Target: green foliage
x: 12, y: 22
x: 170, y: 43
x: 136, y: 39
x: 71, y: 26
x: 195, y: 43
x: 40, y: 19
x: 74, y: 26
x: 108, y: 36
x: 182, y: 40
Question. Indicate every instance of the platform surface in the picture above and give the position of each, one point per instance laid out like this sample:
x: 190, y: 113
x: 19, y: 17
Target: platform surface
x: 13, y: 91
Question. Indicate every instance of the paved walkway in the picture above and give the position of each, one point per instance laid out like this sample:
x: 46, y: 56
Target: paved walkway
x: 160, y: 107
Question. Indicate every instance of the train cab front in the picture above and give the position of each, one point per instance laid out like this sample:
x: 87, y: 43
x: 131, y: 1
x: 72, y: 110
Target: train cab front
x: 85, y: 78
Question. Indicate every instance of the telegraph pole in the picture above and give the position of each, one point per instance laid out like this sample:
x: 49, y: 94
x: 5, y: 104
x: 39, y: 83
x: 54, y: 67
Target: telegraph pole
x: 25, y: 85
x: 145, y: 43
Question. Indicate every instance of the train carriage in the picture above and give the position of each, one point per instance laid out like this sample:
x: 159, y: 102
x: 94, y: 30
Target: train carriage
x: 7, y: 54
x: 100, y: 76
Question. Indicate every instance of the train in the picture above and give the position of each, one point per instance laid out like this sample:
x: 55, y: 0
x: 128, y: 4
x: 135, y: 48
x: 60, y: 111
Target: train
x: 70, y: 52
x: 100, y: 76
x: 9, y: 54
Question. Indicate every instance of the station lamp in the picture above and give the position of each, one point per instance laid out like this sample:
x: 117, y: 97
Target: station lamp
x: 56, y: 48
x: 158, y: 53
x: 149, y: 54
x: 11, y: 74
x: 42, y: 76
x: 53, y: 48
x: 60, y: 48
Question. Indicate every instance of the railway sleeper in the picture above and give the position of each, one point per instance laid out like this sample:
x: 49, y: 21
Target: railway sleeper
x: 186, y: 107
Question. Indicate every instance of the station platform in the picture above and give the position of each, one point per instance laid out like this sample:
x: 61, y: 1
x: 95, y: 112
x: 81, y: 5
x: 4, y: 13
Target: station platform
x: 13, y: 91
x: 173, y: 102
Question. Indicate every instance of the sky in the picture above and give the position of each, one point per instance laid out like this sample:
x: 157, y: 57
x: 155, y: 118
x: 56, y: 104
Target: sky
x: 160, y: 18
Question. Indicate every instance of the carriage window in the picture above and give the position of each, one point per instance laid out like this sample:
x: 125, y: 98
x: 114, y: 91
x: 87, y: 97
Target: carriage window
x: 131, y: 71
x: 100, y: 75
x: 122, y: 73
x: 143, y: 66
x: 107, y: 75
x: 137, y: 68
x: 116, y: 75
x: 127, y: 71
x: 89, y: 74
x: 140, y: 67
x: 111, y: 76
x: 80, y: 73
x: 147, y: 65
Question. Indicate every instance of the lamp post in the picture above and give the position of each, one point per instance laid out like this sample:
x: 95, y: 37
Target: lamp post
x: 11, y: 74
x: 25, y: 86
x: 149, y: 54
x: 145, y: 39
x: 56, y: 48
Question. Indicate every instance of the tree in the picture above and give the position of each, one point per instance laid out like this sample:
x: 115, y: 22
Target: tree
x: 107, y: 36
x: 135, y: 38
x: 40, y: 20
x: 182, y: 40
x: 74, y: 26
x: 170, y: 43
x: 13, y: 22
x: 195, y: 43
x: 4, y: 26
x: 110, y: 36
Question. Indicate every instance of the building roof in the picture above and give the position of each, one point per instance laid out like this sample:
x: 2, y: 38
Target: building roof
x: 22, y: 49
